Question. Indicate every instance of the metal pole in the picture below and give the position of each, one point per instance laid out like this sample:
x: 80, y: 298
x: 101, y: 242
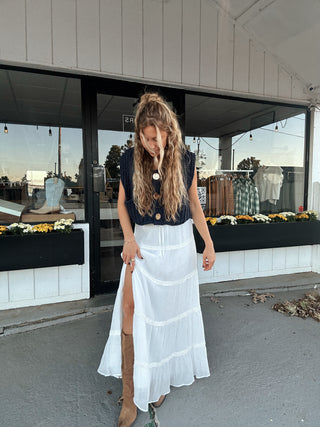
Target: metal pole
x: 59, y: 154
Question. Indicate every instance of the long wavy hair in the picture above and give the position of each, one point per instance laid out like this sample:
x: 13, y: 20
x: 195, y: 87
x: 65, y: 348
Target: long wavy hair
x: 152, y: 110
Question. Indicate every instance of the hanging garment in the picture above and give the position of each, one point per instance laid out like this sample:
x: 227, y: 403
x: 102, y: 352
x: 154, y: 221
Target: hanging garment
x: 246, y: 197
x: 229, y: 197
x: 220, y: 195
x: 268, y: 180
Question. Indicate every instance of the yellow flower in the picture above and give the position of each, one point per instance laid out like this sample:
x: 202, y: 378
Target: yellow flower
x: 3, y: 228
x: 246, y: 217
x: 211, y: 220
x: 302, y: 215
x: 43, y: 228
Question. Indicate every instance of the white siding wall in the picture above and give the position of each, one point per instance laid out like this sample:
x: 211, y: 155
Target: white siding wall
x: 261, y: 262
x: 23, y: 288
x: 181, y: 42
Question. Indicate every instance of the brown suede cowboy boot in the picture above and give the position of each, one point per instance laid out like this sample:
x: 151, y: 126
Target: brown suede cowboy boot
x: 160, y: 401
x: 129, y: 410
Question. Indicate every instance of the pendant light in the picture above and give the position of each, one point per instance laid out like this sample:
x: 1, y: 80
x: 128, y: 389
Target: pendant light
x: 5, y: 129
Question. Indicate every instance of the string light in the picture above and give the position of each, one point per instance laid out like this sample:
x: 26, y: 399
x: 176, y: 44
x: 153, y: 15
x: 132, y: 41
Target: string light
x: 5, y: 129
x: 276, y: 128
x: 251, y: 137
x: 50, y: 131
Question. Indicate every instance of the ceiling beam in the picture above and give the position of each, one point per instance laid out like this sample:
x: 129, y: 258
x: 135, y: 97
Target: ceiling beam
x: 253, y: 11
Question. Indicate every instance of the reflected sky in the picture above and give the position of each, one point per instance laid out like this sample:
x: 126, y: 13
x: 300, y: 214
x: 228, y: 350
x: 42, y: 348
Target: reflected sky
x: 282, y: 148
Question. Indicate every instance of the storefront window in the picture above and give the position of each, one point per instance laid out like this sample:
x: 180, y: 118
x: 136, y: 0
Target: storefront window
x: 41, y: 166
x: 249, y: 156
x: 115, y: 135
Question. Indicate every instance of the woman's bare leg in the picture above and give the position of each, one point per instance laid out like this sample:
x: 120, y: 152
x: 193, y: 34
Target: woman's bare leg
x: 129, y: 410
x: 127, y: 303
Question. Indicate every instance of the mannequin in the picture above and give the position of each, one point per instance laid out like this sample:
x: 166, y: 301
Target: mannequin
x: 54, y: 189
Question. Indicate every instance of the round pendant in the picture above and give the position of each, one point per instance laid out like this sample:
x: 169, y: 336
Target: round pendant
x: 156, y: 176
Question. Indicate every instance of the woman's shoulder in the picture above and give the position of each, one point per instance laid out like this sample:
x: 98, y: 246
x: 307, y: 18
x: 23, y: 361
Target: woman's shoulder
x: 126, y: 157
x: 189, y: 162
x: 127, y: 153
x: 188, y: 157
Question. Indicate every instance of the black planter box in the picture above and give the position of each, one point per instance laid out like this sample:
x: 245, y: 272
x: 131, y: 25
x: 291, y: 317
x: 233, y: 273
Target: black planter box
x: 41, y: 250
x: 260, y: 236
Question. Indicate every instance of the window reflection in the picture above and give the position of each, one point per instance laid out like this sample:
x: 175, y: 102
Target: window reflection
x: 41, y: 174
x: 257, y: 170
x: 41, y: 167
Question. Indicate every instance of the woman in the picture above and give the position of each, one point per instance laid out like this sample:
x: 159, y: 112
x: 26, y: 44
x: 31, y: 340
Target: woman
x: 157, y: 328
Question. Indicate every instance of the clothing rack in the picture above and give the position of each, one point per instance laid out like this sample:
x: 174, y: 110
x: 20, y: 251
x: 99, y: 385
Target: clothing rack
x: 223, y: 171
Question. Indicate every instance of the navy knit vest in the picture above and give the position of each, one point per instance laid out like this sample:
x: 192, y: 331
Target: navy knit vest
x: 158, y: 217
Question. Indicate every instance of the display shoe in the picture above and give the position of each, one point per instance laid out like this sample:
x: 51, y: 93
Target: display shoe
x: 128, y: 412
x: 160, y: 401
x: 54, y: 189
x: 45, y: 209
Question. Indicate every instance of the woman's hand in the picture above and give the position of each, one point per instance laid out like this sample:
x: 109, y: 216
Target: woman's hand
x: 129, y: 253
x: 208, y: 258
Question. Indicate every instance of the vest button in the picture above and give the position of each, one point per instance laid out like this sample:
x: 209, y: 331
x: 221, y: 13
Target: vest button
x: 156, y: 176
x: 158, y: 216
x: 156, y: 196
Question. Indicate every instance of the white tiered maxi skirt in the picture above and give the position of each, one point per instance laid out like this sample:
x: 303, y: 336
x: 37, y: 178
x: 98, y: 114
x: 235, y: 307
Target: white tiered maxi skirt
x: 168, y: 335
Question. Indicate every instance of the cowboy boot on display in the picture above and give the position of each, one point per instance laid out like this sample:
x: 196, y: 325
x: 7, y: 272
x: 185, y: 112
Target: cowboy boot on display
x: 54, y: 189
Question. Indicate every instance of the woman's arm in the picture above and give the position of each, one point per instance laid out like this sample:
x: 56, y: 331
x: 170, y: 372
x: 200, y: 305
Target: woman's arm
x: 208, y: 256
x: 130, y: 246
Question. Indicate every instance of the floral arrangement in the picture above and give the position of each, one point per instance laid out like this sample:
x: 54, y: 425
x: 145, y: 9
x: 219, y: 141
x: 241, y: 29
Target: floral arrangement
x: 312, y: 215
x: 277, y: 218
x: 211, y: 220
x: 227, y: 219
x: 259, y: 218
x: 308, y: 215
x: 19, y: 228
x: 291, y: 216
x: 244, y: 219
x: 3, y: 229
x: 62, y: 226
x: 302, y: 217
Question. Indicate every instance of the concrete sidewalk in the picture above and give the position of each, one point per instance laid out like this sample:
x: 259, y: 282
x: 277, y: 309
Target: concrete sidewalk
x: 29, y: 318
x: 264, y: 370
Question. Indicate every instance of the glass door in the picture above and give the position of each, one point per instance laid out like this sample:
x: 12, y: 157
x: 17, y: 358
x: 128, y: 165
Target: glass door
x: 115, y: 135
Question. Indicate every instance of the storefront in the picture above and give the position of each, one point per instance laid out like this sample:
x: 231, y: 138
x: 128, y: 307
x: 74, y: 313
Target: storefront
x: 58, y: 125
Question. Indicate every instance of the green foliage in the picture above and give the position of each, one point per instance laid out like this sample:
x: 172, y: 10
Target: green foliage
x: 250, y: 163
x: 112, y: 162
x: 127, y: 145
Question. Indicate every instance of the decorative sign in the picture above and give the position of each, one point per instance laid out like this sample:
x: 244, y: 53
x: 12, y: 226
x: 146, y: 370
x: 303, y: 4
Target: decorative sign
x: 127, y: 123
x: 202, y: 194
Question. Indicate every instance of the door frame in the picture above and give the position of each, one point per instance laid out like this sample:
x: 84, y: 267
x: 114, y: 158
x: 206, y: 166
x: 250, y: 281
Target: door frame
x: 90, y: 88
